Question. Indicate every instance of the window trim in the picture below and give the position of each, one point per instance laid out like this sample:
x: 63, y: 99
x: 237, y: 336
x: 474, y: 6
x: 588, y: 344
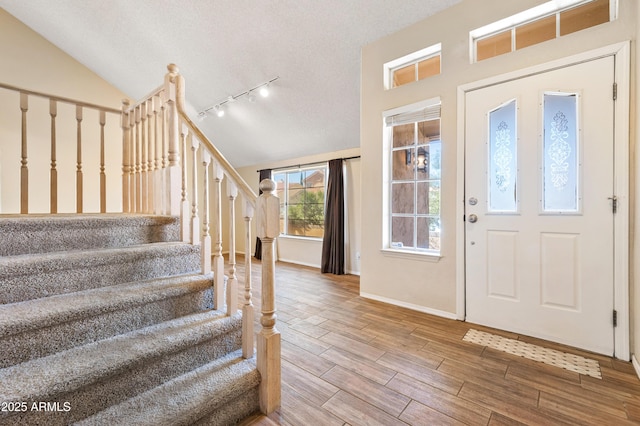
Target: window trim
x: 387, y: 117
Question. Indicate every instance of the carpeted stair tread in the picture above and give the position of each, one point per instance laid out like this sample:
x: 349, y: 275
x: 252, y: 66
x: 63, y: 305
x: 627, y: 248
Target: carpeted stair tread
x: 32, y: 276
x: 187, y: 398
x: 112, y: 314
x: 45, y: 312
x: 61, y: 260
x: 42, y: 233
x: 43, y: 378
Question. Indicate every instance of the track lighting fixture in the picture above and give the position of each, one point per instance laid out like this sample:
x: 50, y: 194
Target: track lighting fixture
x: 263, y: 89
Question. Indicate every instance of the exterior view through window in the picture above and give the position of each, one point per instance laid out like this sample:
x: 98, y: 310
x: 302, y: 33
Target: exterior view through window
x: 302, y: 201
x: 415, y: 180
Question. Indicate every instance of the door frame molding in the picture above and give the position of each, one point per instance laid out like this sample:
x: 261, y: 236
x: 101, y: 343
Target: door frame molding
x: 621, y: 178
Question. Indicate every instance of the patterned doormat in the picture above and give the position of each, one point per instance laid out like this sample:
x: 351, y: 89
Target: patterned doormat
x: 576, y: 363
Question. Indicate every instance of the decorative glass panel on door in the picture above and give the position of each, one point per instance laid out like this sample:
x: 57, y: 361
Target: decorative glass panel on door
x: 560, y: 153
x: 503, y: 166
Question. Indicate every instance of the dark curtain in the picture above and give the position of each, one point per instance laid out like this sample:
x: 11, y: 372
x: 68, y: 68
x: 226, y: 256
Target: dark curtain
x: 333, y: 241
x: 264, y: 174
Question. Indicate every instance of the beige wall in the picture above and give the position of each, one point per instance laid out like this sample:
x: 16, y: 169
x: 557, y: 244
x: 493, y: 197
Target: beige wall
x: 431, y: 285
x: 31, y: 62
x: 309, y: 252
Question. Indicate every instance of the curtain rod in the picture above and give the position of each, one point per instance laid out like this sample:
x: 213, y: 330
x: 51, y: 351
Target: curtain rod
x: 311, y: 164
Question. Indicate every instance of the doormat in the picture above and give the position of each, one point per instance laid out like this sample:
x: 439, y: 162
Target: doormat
x: 576, y: 363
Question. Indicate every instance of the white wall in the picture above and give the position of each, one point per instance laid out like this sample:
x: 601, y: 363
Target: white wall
x: 31, y: 62
x: 305, y: 251
x: 425, y: 285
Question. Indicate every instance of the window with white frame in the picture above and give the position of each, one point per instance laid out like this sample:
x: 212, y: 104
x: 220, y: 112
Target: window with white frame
x: 413, y: 67
x: 547, y: 21
x: 302, y: 200
x: 414, y: 150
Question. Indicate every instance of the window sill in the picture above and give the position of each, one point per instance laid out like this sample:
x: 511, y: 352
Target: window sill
x: 412, y: 255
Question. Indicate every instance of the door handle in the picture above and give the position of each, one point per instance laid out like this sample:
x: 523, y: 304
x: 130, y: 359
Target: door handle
x: 473, y: 218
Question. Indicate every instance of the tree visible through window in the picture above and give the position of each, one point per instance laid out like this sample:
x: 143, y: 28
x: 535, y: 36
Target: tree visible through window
x: 302, y: 201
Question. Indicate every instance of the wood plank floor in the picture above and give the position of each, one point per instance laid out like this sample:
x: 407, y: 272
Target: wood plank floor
x: 347, y: 360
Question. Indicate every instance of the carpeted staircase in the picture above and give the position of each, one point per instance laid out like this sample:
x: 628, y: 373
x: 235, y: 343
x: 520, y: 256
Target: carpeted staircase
x: 106, y: 320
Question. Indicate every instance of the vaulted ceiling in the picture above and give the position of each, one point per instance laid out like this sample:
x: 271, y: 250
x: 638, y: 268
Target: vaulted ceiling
x: 226, y: 47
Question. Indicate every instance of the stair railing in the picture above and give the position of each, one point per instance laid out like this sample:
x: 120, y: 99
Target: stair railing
x: 80, y: 124
x: 168, y: 163
x: 170, y: 167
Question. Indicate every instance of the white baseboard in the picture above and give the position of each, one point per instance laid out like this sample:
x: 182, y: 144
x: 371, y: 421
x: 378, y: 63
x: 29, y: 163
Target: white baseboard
x: 436, y: 312
x: 296, y: 262
x: 636, y: 365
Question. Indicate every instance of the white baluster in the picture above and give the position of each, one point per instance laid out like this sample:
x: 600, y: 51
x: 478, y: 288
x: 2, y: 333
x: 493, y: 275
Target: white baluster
x: 103, y: 176
x: 150, y: 154
x: 165, y: 162
x: 205, y: 247
x: 53, y: 196
x: 218, y: 260
x: 126, y: 163
x: 144, y: 176
x: 79, y: 175
x: 184, y: 203
x: 195, y: 221
x: 24, y: 169
x: 157, y: 164
x: 132, y: 161
x: 232, y: 282
x: 247, y: 306
x: 138, y: 159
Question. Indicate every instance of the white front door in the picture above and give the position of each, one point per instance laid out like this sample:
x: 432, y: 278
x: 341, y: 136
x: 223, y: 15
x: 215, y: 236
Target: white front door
x: 539, y: 177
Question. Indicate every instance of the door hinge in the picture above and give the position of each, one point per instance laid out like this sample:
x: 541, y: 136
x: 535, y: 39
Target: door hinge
x: 615, y: 318
x: 615, y: 91
x: 614, y: 204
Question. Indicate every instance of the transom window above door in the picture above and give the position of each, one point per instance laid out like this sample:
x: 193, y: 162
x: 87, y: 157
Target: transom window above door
x: 541, y: 23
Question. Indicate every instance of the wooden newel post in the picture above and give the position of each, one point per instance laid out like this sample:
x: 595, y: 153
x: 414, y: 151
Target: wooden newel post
x: 268, y: 340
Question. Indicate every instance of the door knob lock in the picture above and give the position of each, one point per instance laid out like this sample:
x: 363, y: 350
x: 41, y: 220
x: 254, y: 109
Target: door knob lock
x: 473, y: 218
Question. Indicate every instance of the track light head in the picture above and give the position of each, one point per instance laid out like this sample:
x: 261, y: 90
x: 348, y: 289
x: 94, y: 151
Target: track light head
x: 219, y: 108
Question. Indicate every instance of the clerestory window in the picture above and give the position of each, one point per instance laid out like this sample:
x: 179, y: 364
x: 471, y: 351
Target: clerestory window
x: 541, y: 23
x: 413, y: 67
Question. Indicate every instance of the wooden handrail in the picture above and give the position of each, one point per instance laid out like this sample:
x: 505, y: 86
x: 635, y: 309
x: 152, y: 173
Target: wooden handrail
x: 181, y: 191
x: 80, y: 106
x: 243, y: 187
x: 155, y: 92
x: 60, y: 99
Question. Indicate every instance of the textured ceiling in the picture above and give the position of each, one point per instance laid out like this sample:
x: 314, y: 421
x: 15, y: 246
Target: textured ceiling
x: 225, y: 47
